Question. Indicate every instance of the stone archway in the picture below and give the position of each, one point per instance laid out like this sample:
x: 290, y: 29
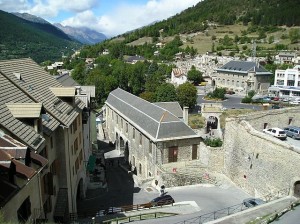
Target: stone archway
x: 80, y: 191
x: 212, y: 123
x: 297, y: 189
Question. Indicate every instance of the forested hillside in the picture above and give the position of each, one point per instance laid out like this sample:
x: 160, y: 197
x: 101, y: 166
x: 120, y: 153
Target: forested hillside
x: 22, y: 38
x: 225, y: 12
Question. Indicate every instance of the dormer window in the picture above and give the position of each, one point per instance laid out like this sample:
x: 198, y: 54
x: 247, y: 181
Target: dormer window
x: 66, y: 94
x: 28, y: 113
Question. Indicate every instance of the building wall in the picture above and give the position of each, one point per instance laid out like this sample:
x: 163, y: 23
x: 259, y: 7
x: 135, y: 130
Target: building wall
x: 257, y: 162
x: 31, y: 189
x: 70, y: 154
x: 144, y: 154
x: 238, y: 82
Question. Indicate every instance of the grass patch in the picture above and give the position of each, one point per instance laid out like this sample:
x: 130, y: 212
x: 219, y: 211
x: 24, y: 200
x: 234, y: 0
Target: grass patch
x: 196, y: 121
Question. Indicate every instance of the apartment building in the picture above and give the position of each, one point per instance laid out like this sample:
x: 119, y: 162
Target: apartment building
x: 286, y: 83
x: 148, y: 135
x: 46, y: 117
x: 243, y: 76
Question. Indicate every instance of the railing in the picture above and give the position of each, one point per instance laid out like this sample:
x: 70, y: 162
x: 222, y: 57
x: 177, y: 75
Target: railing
x: 215, y: 215
x: 231, y: 210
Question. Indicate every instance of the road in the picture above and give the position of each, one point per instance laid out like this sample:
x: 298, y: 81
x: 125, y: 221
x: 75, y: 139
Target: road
x: 292, y: 216
x: 232, y: 101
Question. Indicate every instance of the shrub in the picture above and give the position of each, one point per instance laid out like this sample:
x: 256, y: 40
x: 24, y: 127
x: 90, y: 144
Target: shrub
x: 246, y: 100
x: 213, y: 142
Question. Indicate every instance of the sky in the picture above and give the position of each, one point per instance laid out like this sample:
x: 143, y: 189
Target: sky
x: 110, y: 17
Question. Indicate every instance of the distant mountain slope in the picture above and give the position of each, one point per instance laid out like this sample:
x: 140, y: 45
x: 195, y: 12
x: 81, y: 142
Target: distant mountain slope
x: 21, y: 38
x: 83, y: 34
x: 225, y: 12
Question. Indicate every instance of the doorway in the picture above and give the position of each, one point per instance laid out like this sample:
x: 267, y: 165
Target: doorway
x: 173, y: 154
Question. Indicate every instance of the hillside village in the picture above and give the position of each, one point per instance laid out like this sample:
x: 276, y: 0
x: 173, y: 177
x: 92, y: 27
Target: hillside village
x: 52, y: 141
x: 137, y: 128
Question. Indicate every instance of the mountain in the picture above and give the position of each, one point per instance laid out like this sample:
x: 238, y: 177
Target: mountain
x: 83, y: 34
x: 225, y: 12
x: 31, y: 18
x: 32, y: 37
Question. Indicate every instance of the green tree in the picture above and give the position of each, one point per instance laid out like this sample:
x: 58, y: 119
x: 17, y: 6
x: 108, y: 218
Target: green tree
x: 187, y: 95
x: 78, y: 74
x: 166, y: 93
x: 194, y: 76
x: 149, y: 96
x: 294, y: 35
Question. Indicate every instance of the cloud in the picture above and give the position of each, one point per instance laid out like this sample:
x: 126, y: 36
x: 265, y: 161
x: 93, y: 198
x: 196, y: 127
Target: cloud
x: 125, y: 16
x: 128, y: 17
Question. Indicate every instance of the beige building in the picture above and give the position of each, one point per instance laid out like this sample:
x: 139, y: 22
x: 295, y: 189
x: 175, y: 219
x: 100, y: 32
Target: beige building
x: 47, y: 117
x: 242, y: 77
x: 148, y: 135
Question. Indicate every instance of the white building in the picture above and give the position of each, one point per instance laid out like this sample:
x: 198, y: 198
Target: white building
x: 286, y: 83
x: 178, y: 76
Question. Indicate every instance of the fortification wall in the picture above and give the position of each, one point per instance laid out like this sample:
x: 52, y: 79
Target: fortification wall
x: 257, y: 162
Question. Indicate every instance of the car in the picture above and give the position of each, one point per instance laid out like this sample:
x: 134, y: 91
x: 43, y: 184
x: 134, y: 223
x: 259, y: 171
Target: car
x: 275, y: 98
x: 266, y: 99
x: 276, y: 106
x: 292, y: 131
x: 276, y: 132
x: 159, y: 201
x: 252, y: 202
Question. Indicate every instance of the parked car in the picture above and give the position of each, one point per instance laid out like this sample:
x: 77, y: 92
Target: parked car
x: 266, y: 99
x: 276, y: 132
x: 293, y: 132
x: 275, y: 98
x: 276, y: 106
x: 159, y: 201
x: 252, y: 202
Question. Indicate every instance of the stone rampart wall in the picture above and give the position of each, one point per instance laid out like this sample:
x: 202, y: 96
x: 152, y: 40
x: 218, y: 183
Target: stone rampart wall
x: 257, y: 162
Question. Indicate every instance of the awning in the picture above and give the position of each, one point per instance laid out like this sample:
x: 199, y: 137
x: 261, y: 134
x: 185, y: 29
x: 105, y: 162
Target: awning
x: 91, y: 163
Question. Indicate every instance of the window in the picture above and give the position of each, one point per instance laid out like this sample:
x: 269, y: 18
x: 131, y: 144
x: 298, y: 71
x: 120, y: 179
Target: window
x: 117, y: 118
x: 80, y: 138
x: 126, y: 128
x: 51, y: 142
x: 133, y: 133
x: 76, y: 144
x: 141, y: 139
x: 290, y: 82
x: 121, y: 123
x: 194, y: 152
x: 75, y: 125
x: 24, y: 212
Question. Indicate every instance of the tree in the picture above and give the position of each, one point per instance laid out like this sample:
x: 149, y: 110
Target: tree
x: 78, y: 74
x: 149, y: 96
x: 194, y: 76
x: 294, y: 35
x: 187, y: 95
x: 166, y: 93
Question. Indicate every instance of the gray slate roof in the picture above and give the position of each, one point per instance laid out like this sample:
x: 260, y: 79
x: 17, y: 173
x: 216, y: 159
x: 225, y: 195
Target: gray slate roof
x: 243, y: 67
x: 9, y: 93
x: 172, y: 107
x: 153, y: 121
x: 36, y: 82
x: 66, y: 80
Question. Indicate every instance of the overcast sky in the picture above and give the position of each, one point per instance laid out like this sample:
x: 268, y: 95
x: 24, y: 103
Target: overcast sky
x: 110, y: 17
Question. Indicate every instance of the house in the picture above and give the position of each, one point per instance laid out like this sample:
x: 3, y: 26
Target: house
x: 178, y: 76
x: 46, y: 117
x: 285, y: 57
x: 286, y: 83
x: 242, y: 77
x: 148, y: 135
x: 134, y: 59
x: 160, y: 45
x: 21, y: 170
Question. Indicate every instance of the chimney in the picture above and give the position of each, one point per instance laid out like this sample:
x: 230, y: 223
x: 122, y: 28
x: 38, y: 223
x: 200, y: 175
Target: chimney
x: 186, y: 115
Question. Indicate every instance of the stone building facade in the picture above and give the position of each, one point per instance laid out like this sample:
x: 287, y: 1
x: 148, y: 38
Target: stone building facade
x: 259, y: 163
x: 242, y: 77
x: 146, y: 134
